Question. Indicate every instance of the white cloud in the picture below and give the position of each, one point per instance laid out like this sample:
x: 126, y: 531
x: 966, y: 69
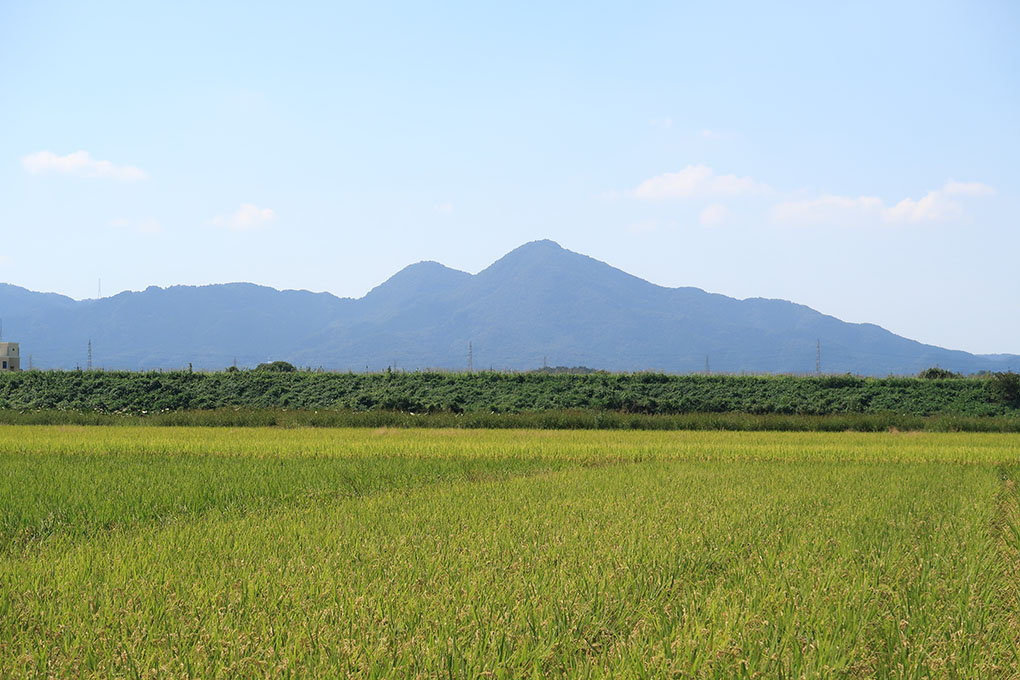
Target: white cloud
x: 935, y: 205
x: 665, y: 122
x: 643, y: 227
x: 248, y: 216
x: 149, y: 225
x: 827, y: 208
x: 5, y: 259
x: 697, y: 181
x: 972, y: 189
x: 443, y: 208
x: 714, y: 214
x: 713, y: 135
x: 79, y: 163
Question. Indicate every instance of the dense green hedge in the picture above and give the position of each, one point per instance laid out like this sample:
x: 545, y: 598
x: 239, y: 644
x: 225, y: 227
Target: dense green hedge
x: 647, y: 393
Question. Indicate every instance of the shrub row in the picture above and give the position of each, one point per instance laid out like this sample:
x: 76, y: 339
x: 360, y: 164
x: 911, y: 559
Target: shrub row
x: 508, y: 393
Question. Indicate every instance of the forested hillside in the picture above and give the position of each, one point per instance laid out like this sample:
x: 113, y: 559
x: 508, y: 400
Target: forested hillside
x: 538, y: 304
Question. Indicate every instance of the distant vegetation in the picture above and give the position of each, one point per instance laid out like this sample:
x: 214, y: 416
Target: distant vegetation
x: 276, y: 387
x: 936, y: 373
x: 276, y: 367
x: 1004, y: 388
x: 567, y: 370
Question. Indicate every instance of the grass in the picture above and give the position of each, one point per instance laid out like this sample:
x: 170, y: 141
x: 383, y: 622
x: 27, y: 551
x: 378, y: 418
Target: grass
x: 552, y: 419
x: 198, y: 552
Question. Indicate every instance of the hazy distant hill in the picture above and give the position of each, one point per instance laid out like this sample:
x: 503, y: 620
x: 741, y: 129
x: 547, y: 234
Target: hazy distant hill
x: 538, y: 303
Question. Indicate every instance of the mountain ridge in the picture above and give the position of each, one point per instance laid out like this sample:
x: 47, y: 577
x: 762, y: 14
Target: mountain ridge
x: 538, y: 303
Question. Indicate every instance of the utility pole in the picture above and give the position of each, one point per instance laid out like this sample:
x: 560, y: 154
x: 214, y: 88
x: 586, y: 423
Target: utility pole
x: 88, y: 365
x: 471, y: 357
x: 818, y: 357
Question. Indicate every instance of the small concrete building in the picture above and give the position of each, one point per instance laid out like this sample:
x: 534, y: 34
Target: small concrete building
x: 10, y: 357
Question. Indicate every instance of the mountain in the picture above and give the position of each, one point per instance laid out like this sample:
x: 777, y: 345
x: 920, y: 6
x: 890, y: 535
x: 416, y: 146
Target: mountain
x: 539, y: 303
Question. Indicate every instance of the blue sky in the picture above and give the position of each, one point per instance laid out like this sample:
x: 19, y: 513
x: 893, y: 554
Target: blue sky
x: 860, y: 158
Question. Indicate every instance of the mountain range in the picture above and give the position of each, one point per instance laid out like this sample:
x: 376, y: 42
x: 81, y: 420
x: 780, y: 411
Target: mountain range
x: 538, y: 304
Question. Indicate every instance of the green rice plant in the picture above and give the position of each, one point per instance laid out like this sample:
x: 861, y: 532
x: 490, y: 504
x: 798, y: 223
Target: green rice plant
x: 509, y: 553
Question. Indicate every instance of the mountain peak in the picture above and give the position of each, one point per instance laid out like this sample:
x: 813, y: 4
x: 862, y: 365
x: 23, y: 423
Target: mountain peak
x: 540, y: 249
x: 425, y: 277
x: 540, y: 244
x: 546, y: 264
x: 534, y: 254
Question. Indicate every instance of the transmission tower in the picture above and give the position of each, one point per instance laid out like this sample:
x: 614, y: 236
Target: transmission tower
x: 708, y: 370
x: 818, y: 357
x: 88, y: 364
x: 471, y: 357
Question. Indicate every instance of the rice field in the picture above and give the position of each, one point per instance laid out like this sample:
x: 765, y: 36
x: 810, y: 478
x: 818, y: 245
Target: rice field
x: 258, y: 552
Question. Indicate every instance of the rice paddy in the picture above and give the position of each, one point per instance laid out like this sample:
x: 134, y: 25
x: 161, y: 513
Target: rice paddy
x: 259, y: 552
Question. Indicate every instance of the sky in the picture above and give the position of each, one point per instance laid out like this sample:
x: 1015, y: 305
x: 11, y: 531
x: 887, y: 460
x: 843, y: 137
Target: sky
x: 859, y: 158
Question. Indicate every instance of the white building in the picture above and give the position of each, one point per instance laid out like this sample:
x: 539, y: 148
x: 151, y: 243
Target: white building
x: 10, y: 357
